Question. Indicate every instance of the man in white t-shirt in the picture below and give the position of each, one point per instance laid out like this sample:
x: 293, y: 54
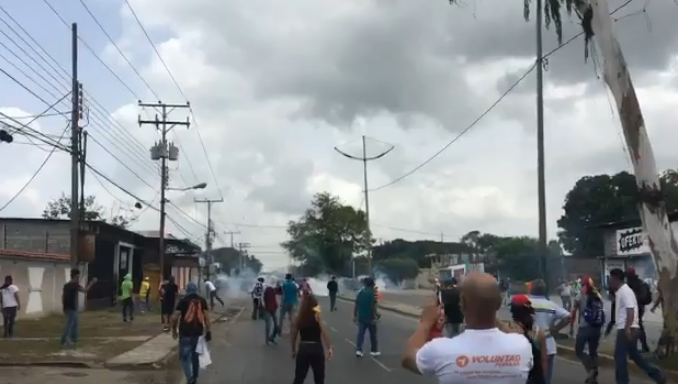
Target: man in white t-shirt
x: 10, y: 303
x: 212, y: 293
x: 482, y: 353
x: 626, y: 323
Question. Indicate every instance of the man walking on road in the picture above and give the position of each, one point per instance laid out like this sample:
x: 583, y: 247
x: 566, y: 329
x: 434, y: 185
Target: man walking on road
x: 591, y: 318
x: 450, y: 299
x: 270, y: 303
x: 462, y: 359
x: 213, y: 294
x: 190, y: 322
x: 628, y: 330
x: 290, y: 298
x: 257, y: 295
x: 332, y: 289
x: 366, y: 316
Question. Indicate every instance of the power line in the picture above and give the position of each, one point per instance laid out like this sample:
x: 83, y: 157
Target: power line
x: 35, y: 174
x: 176, y: 83
x: 118, y: 49
x: 462, y: 133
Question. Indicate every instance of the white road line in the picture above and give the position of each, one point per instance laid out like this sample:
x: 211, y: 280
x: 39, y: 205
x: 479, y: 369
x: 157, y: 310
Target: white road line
x: 379, y: 363
x: 334, y: 329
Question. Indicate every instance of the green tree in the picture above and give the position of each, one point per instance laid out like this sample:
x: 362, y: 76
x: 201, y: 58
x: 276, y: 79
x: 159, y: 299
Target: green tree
x: 604, y: 199
x: 60, y: 208
x: 416, y: 250
x: 398, y: 269
x: 326, y: 236
x: 231, y: 259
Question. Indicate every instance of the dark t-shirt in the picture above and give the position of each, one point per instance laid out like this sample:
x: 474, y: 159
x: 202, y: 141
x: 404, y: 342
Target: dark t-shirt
x: 170, y: 292
x: 70, y: 296
x: 332, y: 287
x: 451, y: 302
x: 194, y: 327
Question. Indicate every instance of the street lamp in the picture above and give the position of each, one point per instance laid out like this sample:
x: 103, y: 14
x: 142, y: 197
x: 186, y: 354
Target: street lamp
x: 161, y: 234
x: 197, y: 186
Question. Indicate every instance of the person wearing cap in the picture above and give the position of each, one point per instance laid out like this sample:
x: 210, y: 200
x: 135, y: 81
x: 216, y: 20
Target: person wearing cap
x: 549, y: 317
x: 523, y: 322
x: 588, y: 332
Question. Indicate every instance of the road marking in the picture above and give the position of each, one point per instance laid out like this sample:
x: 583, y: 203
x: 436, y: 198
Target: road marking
x: 334, y: 329
x: 379, y: 363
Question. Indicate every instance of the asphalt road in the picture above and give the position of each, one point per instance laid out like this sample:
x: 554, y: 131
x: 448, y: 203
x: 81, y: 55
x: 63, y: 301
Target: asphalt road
x: 240, y: 355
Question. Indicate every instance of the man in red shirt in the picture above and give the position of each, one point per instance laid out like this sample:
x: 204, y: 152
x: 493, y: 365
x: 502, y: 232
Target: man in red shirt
x: 270, y: 309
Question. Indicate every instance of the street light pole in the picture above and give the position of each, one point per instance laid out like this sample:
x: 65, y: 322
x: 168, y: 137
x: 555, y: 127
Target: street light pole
x: 541, y: 171
x: 163, y: 151
x: 368, y: 233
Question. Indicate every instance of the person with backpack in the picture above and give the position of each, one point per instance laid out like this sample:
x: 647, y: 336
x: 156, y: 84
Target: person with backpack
x: 590, y: 307
x: 190, y: 322
x: 257, y: 298
x: 643, y: 294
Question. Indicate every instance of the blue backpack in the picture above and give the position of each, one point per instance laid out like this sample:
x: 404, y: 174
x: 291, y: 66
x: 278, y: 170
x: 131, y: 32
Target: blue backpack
x: 594, y: 313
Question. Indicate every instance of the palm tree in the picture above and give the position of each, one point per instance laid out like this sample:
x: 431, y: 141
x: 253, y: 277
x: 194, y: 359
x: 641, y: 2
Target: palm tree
x: 597, y: 24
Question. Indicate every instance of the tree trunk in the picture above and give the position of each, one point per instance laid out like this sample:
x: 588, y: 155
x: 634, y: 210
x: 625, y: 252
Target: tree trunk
x: 652, y: 205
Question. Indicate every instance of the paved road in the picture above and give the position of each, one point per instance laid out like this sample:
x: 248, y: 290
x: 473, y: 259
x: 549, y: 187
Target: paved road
x: 653, y: 321
x: 241, y: 357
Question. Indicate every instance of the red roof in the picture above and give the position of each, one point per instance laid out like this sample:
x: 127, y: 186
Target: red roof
x: 34, y: 255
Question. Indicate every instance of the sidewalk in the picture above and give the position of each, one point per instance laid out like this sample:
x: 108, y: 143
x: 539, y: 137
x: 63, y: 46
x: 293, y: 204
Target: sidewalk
x: 102, y: 335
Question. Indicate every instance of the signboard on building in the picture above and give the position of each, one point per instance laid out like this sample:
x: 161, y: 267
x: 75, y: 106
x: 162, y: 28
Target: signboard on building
x: 632, y: 241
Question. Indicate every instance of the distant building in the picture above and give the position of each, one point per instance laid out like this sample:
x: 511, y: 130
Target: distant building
x: 626, y: 246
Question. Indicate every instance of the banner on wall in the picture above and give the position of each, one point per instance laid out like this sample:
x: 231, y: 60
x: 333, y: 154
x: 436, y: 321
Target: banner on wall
x: 632, y: 241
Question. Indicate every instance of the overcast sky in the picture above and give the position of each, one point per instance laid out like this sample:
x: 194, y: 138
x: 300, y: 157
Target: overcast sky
x: 275, y: 85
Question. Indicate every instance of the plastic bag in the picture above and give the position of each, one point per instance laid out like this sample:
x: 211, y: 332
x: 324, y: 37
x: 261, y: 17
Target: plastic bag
x: 203, y: 352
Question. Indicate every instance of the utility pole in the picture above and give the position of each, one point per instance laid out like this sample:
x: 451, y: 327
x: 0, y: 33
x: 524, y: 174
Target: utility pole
x: 541, y: 178
x: 210, y: 231
x: 242, y: 249
x: 163, y: 151
x: 231, y: 233
x: 368, y: 233
x: 75, y: 147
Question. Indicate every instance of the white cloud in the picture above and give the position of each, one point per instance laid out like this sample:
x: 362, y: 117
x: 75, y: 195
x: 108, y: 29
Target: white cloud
x: 276, y: 85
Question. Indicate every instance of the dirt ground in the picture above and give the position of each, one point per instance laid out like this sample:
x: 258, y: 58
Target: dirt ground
x: 41, y: 375
x: 102, y: 335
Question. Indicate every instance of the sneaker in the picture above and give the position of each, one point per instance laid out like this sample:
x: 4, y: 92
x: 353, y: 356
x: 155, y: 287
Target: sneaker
x: 359, y: 353
x: 375, y: 354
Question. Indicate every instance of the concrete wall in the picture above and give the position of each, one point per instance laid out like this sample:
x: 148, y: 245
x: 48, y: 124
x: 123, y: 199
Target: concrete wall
x: 40, y: 284
x: 35, y: 236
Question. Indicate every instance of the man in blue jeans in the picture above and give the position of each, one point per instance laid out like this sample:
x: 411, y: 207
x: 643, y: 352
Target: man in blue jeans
x: 70, y: 297
x: 628, y: 331
x: 290, y: 298
x: 365, y: 315
x: 191, y: 321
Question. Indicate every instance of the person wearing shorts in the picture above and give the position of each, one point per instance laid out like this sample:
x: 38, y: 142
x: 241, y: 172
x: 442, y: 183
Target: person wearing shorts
x: 168, y: 299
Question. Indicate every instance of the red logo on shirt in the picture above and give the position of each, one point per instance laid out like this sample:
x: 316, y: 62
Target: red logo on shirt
x: 462, y: 361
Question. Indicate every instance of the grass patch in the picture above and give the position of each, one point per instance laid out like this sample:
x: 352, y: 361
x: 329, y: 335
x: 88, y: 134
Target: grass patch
x: 87, y: 351
x: 105, y: 323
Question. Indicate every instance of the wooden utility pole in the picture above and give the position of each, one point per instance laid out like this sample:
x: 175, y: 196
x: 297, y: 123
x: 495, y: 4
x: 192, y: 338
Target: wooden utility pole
x: 163, y: 151
x: 210, y: 232
x: 75, y: 149
x: 231, y: 233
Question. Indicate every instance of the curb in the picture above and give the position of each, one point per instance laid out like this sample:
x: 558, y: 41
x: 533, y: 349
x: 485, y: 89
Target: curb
x: 53, y: 364
x: 564, y: 351
x: 161, y: 363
